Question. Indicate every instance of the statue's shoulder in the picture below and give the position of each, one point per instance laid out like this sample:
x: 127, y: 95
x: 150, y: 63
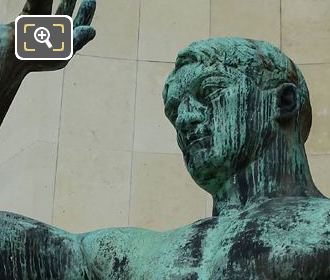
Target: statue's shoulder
x: 291, y: 235
x: 304, y: 220
x: 286, y: 238
x: 307, y: 208
x: 20, y: 224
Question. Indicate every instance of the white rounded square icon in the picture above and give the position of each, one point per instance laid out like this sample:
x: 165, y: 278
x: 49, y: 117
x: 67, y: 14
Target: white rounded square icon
x: 48, y: 37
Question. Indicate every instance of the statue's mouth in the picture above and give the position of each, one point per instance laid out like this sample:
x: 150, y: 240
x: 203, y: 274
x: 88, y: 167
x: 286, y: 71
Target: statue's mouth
x: 202, y: 142
x: 194, y: 142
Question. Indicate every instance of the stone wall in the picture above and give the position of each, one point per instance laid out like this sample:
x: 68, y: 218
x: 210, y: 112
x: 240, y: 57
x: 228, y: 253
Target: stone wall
x: 89, y: 147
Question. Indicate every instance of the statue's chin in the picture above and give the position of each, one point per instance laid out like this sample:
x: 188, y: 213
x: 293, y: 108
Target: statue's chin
x: 208, y: 174
x: 204, y: 161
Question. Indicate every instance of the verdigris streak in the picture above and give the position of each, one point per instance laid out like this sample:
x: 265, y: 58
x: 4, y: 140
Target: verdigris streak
x: 242, y: 115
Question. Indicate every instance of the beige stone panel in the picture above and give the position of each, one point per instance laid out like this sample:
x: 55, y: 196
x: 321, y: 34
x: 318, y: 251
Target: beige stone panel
x: 57, y: 2
x: 163, y: 195
x: 116, y: 23
x: 12, y: 9
x: 209, y: 205
x: 27, y: 181
x: 153, y: 131
x: 317, y: 78
x: 33, y: 115
x: 168, y: 26
x: 3, y: 10
x: 306, y: 30
x: 319, y: 166
x: 92, y: 188
x: 98, y: 104
x: 254, y: 19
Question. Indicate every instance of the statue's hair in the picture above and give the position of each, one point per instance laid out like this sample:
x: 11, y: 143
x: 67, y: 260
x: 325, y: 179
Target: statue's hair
x: 265, y: 64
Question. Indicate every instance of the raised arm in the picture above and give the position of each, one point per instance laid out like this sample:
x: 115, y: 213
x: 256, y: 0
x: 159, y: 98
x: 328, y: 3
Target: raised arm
x: 13, y: 71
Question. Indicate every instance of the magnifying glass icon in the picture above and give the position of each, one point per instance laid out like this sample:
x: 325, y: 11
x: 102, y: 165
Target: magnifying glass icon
x: 42, y: 35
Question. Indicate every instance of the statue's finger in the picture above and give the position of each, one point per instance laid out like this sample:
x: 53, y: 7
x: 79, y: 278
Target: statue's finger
x: 86, y: 13
x: 37, y: 7
x: 66, y: 7
x: 81, y: 36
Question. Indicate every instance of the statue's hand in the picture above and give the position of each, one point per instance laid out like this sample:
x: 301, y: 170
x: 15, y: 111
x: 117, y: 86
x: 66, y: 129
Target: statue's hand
x: 13, y: 71
x: 82, y: 34
x: 82, y: 31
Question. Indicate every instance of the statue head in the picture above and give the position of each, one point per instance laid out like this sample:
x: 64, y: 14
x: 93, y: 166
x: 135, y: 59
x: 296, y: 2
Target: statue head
x: 228, y: 98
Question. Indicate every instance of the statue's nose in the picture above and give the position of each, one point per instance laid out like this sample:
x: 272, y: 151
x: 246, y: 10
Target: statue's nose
x: 190, y: 114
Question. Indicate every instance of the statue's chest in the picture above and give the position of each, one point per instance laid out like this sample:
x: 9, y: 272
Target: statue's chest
x: 269, y: 248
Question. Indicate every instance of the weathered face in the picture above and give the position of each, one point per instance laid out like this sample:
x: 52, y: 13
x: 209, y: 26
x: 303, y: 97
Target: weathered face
x: 214, y: 112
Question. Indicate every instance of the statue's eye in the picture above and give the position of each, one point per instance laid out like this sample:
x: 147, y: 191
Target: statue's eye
x: 209, y: 92
x: 210, y: 88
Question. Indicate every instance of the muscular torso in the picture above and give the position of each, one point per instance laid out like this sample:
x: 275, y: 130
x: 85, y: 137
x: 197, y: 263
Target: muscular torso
x: 279, y: 239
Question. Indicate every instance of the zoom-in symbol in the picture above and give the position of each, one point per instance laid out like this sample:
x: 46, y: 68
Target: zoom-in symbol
x: 42, y: 35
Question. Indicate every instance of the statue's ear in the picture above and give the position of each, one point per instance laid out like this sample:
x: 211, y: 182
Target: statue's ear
x: 287, y: 102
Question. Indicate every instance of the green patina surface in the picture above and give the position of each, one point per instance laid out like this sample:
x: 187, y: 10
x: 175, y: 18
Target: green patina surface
x: 242, y: 114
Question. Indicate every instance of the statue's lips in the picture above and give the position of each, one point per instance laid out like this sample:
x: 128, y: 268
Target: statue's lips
x: 201, y: 142
x: 193, y: 141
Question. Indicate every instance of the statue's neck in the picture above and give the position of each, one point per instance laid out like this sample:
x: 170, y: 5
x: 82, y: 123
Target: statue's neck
x: 280, y: 170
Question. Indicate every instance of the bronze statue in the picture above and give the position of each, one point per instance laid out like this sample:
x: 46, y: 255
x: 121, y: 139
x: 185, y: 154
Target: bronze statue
x: 242, y: 114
